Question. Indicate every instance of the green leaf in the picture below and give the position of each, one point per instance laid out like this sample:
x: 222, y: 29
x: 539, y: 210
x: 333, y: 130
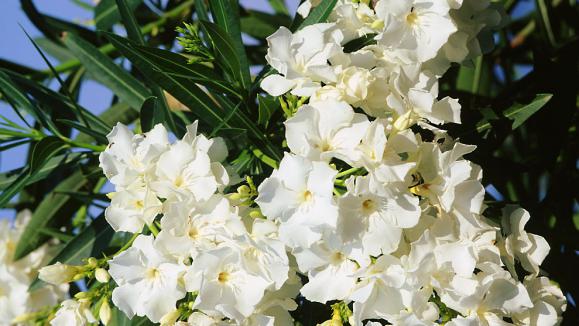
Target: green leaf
x: 520, y: 113
x: 91, y: 242
x: 107, y: 14
x: 267, y: 106
x: 176, y: 65
x: 359, y: 43
x: 184, y: 90
x: 56, y: 101
x: 60, y: 161
x: 260, y: 25
x: 279, y: 6
x: 19, y: 101
x: 227, y: 53
x: 104, y: 70
x: 131, y: 25
x: 226, y: 16
x: 54, y: 206
x: 201, y: 10
x: 151, y: 114
x: 134, y: 34
x: 43, y: 151
x: 120, y: 319
x: 20, y: 182
x: 545, y: 21
x: 188, y: 93
x: 55, y: 50
x: 319, y: 14
x: 98, y: 136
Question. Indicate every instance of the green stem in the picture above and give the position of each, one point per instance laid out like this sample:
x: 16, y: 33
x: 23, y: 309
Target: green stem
x: 347, y: 172
x: 96, y: 148
x: 264, y: 158
x: 153, y: 229
x: 109, y: 48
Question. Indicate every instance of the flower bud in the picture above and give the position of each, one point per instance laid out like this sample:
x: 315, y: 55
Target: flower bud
x: 92, y: 262
x: 171, y: 317
x: 58, y: 273
x: 105, y: 312
x: 102, y: 275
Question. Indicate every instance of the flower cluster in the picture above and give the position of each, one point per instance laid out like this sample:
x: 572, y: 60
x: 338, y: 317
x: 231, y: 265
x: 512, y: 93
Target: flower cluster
x: 374, y: 208
x: 16, y: 302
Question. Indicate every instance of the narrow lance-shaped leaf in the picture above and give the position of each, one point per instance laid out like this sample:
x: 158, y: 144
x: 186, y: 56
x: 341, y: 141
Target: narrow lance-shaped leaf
x: 279, y: 6
x: 520, y: 113
x: 184, y: 90
x: 106, y: 13
x: 17, y: 98
x: 134, y: 34
x: 176, y: 65
x: 43, y: 151
x: 151, y: 114
x: 267, y: 106
x: 104, y: 70
x: 319, y: 14
x: 227, y: 56
x: 60, y: 161
x: 226, y: 15
x: 55, y: 101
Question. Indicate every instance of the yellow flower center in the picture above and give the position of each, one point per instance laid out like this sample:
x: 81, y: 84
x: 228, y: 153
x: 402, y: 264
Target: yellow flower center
x: 368, y: 206
x: 306, y: 196
x: 152, y: 273
x: 412, y: 17
x: 223, y: 277
x: 179, y: 181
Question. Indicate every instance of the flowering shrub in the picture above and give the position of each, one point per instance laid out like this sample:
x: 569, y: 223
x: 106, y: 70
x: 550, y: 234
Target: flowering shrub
x: 348, y: 195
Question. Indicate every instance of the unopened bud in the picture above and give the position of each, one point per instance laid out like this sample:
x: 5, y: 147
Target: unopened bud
x: 92, y: 262
x: 58, y: 273
x: 244, y: 190
x: 102, y: 275
x: 171, y: 317
x: 105, y: 312
x: 256, y: 214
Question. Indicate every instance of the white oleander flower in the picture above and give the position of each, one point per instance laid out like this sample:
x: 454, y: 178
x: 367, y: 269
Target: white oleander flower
x: 355, y: 19
x: 132, y: 208
x: 323, y: 130
x: 72, y: 312
x: 448, y: 180
x: 414, y: 99
x: 330, y: 268
x: 148, y: 281
x: 128, y: 157
x: 378, y: 214
x: 188, y: 227
x: 530, y: 249
x: 301, y: 59
x: 299, y: 195
x: 475, y: 21
x: 548, y: 303
x: 415, y: 30
x: 224, y: 286
x: 16, y: 301
x: 382, y: 290
x: 184, y: 172
x: 263, y: 254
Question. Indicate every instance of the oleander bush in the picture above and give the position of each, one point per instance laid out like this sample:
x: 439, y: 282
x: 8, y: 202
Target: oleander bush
x: 359, y: 162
